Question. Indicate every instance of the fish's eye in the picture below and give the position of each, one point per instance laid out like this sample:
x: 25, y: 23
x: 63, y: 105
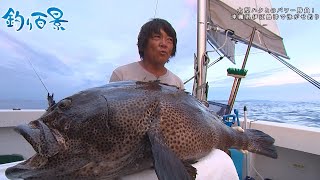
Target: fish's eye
x: 65, y: 103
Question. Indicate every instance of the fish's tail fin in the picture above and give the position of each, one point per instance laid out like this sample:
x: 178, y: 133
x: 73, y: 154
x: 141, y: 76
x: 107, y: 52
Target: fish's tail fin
x: 261, y: 143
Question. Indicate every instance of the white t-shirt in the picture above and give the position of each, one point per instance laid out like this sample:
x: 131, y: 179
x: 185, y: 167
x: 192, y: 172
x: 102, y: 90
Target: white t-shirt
x: 134, y: 71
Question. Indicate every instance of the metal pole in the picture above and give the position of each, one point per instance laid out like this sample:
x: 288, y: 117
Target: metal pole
x: 245, y: 127
x: 201, y: 48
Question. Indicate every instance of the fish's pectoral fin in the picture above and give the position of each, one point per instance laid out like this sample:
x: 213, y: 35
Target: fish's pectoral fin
x: 167, y: 165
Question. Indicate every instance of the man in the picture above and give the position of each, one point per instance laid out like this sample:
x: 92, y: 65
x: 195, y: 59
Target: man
x: 157, y: 42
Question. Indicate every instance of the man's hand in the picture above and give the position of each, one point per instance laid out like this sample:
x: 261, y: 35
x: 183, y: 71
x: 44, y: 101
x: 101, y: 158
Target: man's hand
x: 238, y: 128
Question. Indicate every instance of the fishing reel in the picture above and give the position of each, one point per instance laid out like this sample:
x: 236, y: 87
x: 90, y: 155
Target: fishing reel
x: 50, y: 99
x: 230, y: 119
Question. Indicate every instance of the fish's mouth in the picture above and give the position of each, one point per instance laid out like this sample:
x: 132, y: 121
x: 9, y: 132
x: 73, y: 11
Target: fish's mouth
x: 40, y: 137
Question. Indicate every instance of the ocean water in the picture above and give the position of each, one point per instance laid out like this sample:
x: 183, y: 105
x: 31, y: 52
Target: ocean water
x: 301, y: 113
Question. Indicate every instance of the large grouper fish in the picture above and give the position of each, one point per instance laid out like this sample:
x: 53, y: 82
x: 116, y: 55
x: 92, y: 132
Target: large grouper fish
x: 125, y: 127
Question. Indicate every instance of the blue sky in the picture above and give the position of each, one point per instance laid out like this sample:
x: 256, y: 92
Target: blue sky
x: 101, y: 35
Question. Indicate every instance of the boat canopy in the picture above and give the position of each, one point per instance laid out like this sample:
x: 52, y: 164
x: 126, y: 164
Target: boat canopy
x: 240, y: 19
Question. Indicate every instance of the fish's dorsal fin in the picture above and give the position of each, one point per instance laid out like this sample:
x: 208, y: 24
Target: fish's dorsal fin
x: 167, y: 165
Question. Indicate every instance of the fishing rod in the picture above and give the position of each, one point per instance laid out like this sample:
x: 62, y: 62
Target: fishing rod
x: 155, y: 10
x: 50, y: 98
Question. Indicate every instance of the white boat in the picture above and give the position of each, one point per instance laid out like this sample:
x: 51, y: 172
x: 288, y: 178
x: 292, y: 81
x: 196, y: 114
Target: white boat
x: 297, y: 146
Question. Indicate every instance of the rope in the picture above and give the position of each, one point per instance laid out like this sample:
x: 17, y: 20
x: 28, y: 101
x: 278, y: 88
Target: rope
x: 212, y: 63
x: 224, y: 43
x: 213, y: 47
x: 300, y: 73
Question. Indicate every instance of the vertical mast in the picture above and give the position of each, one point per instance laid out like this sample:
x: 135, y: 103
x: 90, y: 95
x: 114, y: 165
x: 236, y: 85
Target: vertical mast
x: 200, y: 79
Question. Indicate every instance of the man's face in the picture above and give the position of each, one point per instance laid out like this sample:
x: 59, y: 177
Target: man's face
x: 159, y: 48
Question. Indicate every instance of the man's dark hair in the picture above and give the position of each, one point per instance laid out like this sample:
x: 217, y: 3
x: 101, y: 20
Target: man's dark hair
x: 154, y: 26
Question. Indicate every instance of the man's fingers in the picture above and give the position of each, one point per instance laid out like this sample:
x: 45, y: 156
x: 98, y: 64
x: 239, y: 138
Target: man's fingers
x: 244, y: 151
x: 238, y: 128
